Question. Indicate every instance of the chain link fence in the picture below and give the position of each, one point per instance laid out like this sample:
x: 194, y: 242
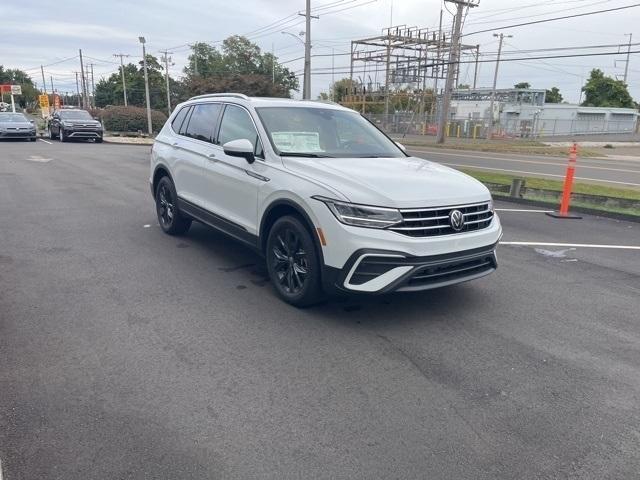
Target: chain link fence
x: 415, y: 124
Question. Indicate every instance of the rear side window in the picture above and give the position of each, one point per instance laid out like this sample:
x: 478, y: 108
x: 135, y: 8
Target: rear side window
x: 179, y: 118
x: 237, y: 124
x: 203, y: 121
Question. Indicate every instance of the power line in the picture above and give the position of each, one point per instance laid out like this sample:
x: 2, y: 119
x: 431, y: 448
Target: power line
x: 553, y: 19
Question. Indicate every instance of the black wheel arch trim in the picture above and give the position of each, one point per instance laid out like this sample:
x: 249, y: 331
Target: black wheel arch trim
x: 302, y: 212
x: 155, y: 171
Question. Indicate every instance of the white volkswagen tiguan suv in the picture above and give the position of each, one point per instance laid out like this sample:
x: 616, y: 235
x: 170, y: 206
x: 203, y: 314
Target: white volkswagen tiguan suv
x: 331, y: 202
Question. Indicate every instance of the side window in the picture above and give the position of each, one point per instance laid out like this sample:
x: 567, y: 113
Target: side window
x: 237, y: 124
x: 203, y: 121
x: 179, y: 118
x: 183, y: 127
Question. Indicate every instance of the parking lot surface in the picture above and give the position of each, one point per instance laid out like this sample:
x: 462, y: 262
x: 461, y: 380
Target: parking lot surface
x: 126, y: 353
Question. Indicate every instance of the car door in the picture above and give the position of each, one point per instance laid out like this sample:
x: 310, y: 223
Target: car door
x: 233, y: 183
x: 193, y: 147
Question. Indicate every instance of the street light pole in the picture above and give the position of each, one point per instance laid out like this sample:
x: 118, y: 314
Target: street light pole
x: 502, y: 36
x: 146, y: 83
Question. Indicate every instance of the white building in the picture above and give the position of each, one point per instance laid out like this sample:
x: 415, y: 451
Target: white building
x: 524, y: 113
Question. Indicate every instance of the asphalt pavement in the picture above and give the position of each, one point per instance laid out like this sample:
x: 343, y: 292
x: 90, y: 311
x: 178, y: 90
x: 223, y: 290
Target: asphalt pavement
x: 618, y: 171
x: 129, y: 354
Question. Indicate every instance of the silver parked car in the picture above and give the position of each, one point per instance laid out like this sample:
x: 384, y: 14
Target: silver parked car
x: 16, y: 125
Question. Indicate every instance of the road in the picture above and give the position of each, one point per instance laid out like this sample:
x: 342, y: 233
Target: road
x: 615, y: 172
x: 129, y: 354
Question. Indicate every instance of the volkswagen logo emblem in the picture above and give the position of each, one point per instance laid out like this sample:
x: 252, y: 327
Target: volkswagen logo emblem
x: 456, y: 220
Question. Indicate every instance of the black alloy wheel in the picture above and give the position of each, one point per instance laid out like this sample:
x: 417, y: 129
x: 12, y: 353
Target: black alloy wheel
x: 169, y: 217
x: 293, y: 263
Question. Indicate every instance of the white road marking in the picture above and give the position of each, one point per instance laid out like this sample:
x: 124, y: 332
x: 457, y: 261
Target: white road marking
x: 144, y: 226
x: 49, y: 143
x: 538, y: 174
x: 573, y: 245
x: 38, y: 158
x: 521, y: 210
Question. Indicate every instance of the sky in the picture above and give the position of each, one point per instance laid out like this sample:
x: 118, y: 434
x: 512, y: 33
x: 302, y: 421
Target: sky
x: 102, y: 28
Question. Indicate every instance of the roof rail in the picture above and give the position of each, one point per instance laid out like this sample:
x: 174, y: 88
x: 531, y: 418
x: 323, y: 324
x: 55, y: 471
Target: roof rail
x: 214, y: 95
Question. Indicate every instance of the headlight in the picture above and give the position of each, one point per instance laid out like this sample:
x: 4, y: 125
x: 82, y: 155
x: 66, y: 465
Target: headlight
x: 490, y: 206
x: 362, y: 215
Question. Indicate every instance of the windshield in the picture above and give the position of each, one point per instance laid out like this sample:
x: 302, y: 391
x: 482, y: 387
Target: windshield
x: 324, y: 132
x: 75, y: 115
x: 13, y: 118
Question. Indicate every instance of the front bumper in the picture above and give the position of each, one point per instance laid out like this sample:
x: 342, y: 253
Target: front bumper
x: 82, y: 133
x: 20, y: 134
x: 383, y: 271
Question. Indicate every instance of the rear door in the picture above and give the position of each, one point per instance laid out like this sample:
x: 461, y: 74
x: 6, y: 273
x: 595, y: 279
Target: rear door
x: 192, y: 149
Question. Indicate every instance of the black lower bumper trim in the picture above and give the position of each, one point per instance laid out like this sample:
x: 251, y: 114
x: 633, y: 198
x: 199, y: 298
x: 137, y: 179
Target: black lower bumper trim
x: 426, y: 273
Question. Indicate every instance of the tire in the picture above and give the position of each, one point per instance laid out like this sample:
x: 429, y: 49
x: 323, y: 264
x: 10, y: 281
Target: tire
x: 99, y: 140
x: 293, y: 263
x: 32, y: 139
x: 170, y: 219
x: 51, y: 135
x: 61, y: 136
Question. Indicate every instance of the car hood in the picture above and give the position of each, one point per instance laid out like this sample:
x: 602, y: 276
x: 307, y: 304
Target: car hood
x: 408, y: 182
x: 16, y: 125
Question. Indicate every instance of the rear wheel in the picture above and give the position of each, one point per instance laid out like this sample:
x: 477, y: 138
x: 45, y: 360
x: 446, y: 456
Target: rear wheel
x: 169, y: 217
x: 293, y: 263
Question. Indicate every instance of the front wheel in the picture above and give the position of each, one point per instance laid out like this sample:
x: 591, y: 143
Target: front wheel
x: 292, y: 262
x: 169, y: 217
x: 62, y: 136
x: 99, y: 140
x: 51, y: 135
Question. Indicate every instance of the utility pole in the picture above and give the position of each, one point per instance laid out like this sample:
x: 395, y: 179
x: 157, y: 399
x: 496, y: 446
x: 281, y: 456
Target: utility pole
x: 44, y: 84
x: 626, y: 65
x: 273, y: 64
x: 195, y: 58
x: 501, y: 36
x: 166, y: 59
x: 53, y: 90
x: 77, y: 89
x: 124, y: 83
x: 306, y: 86
x: 93, y: 87
x: 146, y: 83
x: 454, y: 59
x: 475, y: 72
x: 85, y: 95
x: 435, y: 83
x: 333, y: 75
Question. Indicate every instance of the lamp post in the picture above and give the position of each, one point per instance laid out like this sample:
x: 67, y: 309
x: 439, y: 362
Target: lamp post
x: 307, y: 73
x: 146, y: 83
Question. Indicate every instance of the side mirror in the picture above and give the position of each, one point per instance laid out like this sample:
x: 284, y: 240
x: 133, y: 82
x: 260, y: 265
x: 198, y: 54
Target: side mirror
x: 31, y: 122
x: 240, y: 148
x: 401, y: 146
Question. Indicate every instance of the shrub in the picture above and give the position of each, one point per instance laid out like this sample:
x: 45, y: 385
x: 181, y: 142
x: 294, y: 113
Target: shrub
x: 130, y: 119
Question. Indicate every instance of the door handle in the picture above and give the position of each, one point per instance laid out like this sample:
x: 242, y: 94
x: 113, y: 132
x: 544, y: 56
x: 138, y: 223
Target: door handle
x: 212, y: 157
x: 175, y: 144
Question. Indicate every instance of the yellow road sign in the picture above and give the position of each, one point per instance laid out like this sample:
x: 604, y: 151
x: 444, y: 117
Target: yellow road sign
x: 44, y: 101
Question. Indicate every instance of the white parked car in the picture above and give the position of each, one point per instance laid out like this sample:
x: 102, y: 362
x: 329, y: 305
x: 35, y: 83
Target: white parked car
x: 331, y: 202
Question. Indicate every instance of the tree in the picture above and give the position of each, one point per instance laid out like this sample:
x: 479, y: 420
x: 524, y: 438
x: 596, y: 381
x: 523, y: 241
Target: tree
x: 525, y: 85
x: 238, y: 57
x: 18, y: 77
x: 464, y: 86
x: 553, y: 96
x: 110, y: 92
x: 603, y: 91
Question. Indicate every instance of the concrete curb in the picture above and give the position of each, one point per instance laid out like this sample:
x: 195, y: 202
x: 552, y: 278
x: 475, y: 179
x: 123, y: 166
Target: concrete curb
x: 129, y: 140
x: 589, y: 211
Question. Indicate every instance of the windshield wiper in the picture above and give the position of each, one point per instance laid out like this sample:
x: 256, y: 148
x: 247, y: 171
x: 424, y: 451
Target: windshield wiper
x: 307, y: 155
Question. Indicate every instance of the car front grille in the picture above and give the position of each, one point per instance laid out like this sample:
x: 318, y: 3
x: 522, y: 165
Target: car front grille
x: 435, y: 221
